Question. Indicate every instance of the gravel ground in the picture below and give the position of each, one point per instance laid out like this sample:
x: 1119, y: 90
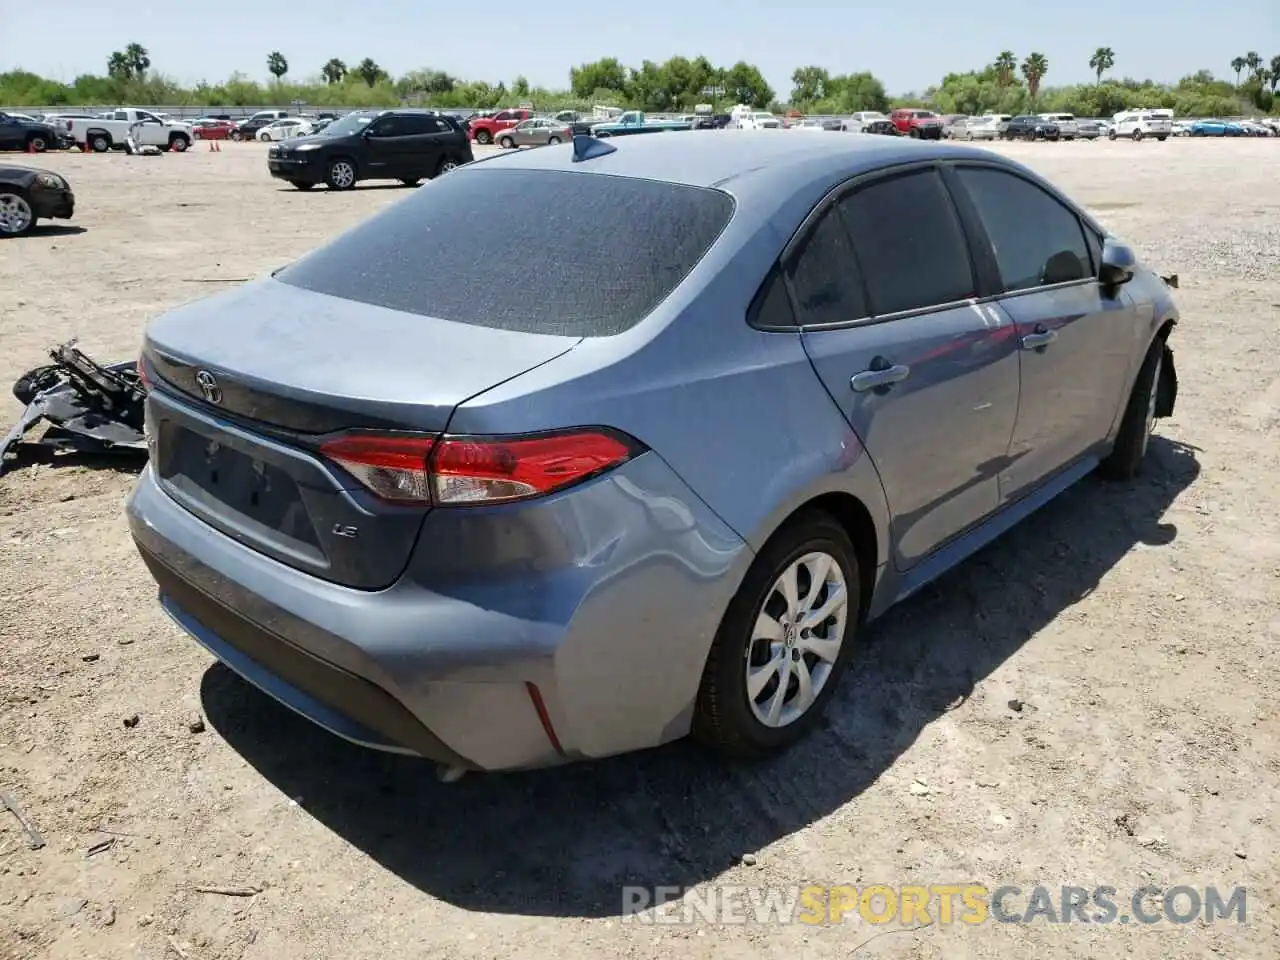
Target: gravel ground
x: 1091, y: 700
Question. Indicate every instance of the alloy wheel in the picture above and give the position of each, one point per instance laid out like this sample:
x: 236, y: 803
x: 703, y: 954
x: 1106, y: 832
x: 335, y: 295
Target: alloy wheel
x: 1153, y: 397
x: 15, y: 214
x: 342, y: 175
x: 796, y: 640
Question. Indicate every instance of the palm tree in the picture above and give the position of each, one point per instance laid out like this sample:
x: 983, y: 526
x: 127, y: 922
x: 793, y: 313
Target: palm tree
x: 277, y: 65
x: 1005, y: 66
x: 369, y: 71
x: 1034, y: 68
x: 1103, y: 59
x: 334, y: 71
x: 138, y: 59
x: 118, y: 66
x: 1275, y: 72
x: 1237, y: 65
x: 1254, y: 63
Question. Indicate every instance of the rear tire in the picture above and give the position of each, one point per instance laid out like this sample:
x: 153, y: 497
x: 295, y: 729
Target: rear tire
x: 236, y: 135
x: 484, y: 137
x: 1137, y: 136
x: 727, y: 717
x: 37, y: 143
x: 1127, y: 456
x: 914, y: 133
x: 552, y: 141
x: 99, y: 142
x: 178, y: 143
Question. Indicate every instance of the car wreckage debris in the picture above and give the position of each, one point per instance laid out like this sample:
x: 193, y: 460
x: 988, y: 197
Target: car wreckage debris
x: 89, y: 408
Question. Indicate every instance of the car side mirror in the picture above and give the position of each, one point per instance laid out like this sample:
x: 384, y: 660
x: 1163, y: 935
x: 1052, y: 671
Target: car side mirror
x: 1118, y: 263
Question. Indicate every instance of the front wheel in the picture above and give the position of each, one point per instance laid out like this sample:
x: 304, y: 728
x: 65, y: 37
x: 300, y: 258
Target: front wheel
x: 1137, y: 136
x: 914, y: 133
x: 1111, y: 135
x: 342, y: 175
x: 506, y: 143
x: 100, y: 143
x: 264, y: 137
x: 1126, y: 458
x: 447, y: 165
x: 16, y: 217
x: 785, y: 640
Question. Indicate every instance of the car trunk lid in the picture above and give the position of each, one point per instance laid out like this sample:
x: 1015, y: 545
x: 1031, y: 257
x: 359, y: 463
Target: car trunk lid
x: 247, y: 384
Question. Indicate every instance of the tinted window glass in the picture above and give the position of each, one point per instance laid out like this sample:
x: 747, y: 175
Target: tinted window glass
x: 909, y: 243
x: 1037, y: 240
x: 510, y: 249
x: 824, y: 275
x: 772, y: 306
x: 418, y: 125
x: 388, y: 127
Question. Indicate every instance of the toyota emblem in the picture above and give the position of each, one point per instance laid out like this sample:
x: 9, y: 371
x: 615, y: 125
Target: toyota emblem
x: 208, y: 385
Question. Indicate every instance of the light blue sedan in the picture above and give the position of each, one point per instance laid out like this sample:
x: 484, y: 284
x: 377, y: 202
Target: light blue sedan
x: 487, y: 482
x: 1216, y: 128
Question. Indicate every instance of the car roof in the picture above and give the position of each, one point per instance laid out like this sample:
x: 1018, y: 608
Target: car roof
x: 773, y: 178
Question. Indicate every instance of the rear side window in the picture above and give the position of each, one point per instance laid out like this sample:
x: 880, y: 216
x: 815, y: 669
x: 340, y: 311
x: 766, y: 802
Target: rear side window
x: 1037, y: 240
x: 539, y: 251
x: 909, y: 243
x: 824, y: 275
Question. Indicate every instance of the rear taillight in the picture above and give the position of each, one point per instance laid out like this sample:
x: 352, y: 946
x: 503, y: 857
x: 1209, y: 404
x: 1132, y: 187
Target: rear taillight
x: 457, y: 471
x: 393, y: 468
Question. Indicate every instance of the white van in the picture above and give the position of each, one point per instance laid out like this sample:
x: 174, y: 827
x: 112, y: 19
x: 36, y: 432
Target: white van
x: 1142, y: 123
x: 1068, y: 128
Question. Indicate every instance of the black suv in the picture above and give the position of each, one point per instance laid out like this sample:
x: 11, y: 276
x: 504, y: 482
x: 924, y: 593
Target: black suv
x: 1029, y: 128
x: 404, y: 145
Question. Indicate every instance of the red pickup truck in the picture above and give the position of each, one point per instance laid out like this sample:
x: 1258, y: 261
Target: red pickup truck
x: 485, y: 129
x: 914, y: 122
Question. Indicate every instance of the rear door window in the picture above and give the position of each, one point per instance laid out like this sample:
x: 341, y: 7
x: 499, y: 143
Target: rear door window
x: 909, y: 242
x: 824, y: 275
x: 512, y: 249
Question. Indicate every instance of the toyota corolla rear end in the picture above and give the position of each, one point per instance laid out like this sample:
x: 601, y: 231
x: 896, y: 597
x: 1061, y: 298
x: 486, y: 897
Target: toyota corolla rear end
x: 474, y: 598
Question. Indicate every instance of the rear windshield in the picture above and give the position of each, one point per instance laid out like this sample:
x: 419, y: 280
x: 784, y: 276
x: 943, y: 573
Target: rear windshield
x: 539, y: 251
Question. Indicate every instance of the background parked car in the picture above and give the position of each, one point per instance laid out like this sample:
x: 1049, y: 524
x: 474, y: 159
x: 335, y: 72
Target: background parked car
x: 209, y: 128
x: 1212, y: 127
x: 485, y: 129
x: 405, y: 145
x: 1068, y: 126
x: 1028, y: 127
x: 249, y: 128
x: 285, y: 128
x: 917, y: 123
x: 986, y: 127
x: 535, y: 132
x: 19, y: 134
x: 855, y: 122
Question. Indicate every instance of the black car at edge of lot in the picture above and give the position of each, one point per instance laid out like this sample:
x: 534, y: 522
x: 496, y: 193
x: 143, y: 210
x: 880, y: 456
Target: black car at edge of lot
x: 20, y: 134
x: 405, y: 145
x: 1030, y: 128
x: 28, y: 195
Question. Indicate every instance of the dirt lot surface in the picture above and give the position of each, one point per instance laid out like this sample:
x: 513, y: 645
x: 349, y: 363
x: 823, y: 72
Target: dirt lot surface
x: 1092, y: 700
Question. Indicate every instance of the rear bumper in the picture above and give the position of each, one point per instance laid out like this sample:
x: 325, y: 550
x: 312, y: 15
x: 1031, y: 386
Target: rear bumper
x: 606, y: 641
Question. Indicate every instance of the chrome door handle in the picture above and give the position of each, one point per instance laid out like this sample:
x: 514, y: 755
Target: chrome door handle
x: 1040, y: 339
x: 875, y: 379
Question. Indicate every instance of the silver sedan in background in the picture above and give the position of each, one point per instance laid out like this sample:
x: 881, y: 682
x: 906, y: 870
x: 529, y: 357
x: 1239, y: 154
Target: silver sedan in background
x: 536, y: 132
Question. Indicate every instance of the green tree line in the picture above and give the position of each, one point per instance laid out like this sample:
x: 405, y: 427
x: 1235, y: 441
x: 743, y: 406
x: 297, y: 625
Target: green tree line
x: 1007, y: 84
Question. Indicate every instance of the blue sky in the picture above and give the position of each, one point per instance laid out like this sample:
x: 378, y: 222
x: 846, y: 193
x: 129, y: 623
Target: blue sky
x: 908, y: 46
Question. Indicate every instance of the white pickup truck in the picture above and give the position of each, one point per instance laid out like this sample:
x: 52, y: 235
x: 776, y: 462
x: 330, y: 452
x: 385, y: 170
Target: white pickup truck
x: 111, y: 129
